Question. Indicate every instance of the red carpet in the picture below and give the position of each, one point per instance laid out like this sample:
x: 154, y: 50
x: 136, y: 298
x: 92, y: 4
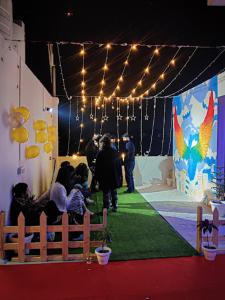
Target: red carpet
x: 189, y: 278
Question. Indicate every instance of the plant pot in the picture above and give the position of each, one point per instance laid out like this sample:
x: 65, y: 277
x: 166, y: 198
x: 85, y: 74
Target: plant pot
x: 103, y: 257
x: 209, y: 253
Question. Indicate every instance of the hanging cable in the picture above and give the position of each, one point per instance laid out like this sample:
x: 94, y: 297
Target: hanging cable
x: 178, y: 74
x: 164, y: 119
x: 141, y: 129
x: 193, y: 80
x: 153, y: 124
x: 171, y: 127
x: 61, y: 71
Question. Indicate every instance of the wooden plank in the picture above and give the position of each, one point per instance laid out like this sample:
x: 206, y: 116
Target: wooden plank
x: 96, y: 227
x: 75, y: 244
x: 199, y: 231
x: 54, y: 228
x: 2, y: 235
x: 76, y: 228
x: 86, y: 235
x: 43, y: 237
x: 54, y: 245
x: 65, y: 236
x: 21, y: 237
x: 215, y: 232
x: 75, y: 257
x: 95, y: 244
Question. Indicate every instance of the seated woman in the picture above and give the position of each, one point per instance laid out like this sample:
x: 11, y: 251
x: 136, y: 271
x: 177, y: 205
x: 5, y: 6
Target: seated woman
x: 76, y: 210
x: 60, y: 192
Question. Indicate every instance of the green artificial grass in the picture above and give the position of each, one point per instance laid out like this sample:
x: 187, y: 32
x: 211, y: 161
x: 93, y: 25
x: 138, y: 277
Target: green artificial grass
x: 138, y: 231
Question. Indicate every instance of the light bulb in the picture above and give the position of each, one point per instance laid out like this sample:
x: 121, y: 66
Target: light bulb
x: 147, y: 70
x: 108, y: 46
x: 172, y: 62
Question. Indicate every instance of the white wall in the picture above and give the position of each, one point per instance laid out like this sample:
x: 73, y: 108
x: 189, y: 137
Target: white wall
x: 19, y: 87
x: 147, y: 169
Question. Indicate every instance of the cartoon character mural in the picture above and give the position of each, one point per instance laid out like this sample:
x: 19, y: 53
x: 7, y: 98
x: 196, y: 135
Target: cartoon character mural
x: 195, y: 137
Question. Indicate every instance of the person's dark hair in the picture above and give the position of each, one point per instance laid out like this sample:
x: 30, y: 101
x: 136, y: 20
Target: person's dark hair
x: 65, y: 163
x: 19, y: 189
x: 64, y: 175
x: 106, y: 142
x: 82, y: 170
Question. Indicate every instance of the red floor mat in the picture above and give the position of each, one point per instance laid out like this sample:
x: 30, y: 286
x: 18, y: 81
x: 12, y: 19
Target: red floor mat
x: 188, y: 278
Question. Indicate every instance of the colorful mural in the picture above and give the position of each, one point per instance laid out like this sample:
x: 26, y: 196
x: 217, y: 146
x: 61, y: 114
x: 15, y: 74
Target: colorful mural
x: 195, y: 137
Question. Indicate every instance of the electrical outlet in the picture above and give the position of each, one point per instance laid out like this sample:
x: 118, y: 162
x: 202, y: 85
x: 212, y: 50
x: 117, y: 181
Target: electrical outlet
x: 20, y: 170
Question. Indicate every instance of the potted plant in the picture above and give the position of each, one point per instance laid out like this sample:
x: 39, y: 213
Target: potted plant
x: 103, y: 252
x: 209, y: 250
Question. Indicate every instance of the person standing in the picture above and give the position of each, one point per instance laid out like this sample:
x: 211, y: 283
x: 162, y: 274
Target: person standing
x: 129, y: 162
x: 92, y: 150
x: 108, y: 172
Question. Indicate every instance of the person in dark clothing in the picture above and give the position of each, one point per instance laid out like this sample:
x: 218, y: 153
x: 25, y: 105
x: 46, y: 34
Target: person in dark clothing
x: 65, y: 163
x: 108, y: 172
x: 23, y: 202
x: 129, y: 162
x: 92, y: 150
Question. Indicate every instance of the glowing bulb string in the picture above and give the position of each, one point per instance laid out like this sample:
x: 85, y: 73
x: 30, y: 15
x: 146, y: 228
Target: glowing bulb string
x: 141, y: 129
x: 91, y: 108
x: 146, y: 110
x: 164, y: 120
x: 83, y: 76
x: 117, y: 125
x: 105, y: 68
x: 102, y: 120
x: 153, y: 125
x: 162, y: 75
x: 77, y: 111
x: 145, y: 72
x: 69, y: 127
x: 95, y: 118
x: 81, y: 129
x: 127, y: 119
x: 178, y: 74
x: 193, y: 80
x: 171, y: 127
x: 120, y: 79
x: 61, y: 71
x: 125, y: 44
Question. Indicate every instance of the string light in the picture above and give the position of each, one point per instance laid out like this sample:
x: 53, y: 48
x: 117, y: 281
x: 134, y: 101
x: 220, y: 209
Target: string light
x: 141, y: 128
x: 121, y: 77
x: 145, y: 72
x: 164, y: 120
x: 178, y: 74
x: 203, y: 71
x: 153, y: 125
x: 146, y: 110
x: 61, y: 71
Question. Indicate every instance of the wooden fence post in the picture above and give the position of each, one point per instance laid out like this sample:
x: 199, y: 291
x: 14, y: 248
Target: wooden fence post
x: 21, y: 237
x: 2, y: 236
x: 198, y: 229
x: 43, y: 237
x: 215, y: 232
x: 65, y: 236
x: 86, y: 235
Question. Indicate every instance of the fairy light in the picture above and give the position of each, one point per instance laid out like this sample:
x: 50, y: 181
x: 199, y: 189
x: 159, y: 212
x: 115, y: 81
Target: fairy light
x: 134, y: 47
x: 203, y: 71
x: 74, y: 156
x: 145, y: 72
x: 172, y: 62
x: 121, y: 77
x: 81, y: 131
x: 153, y: 125
x: 83, y: 72
x: 61, y: 71
x: 156, y: 51
x: 178, y: 74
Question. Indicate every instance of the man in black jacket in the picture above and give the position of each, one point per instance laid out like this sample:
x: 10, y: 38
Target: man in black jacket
x: 108, y: 172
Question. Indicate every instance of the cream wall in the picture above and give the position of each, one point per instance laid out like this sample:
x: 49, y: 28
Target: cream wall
x: 147, y: 169
x: 19, y: 87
